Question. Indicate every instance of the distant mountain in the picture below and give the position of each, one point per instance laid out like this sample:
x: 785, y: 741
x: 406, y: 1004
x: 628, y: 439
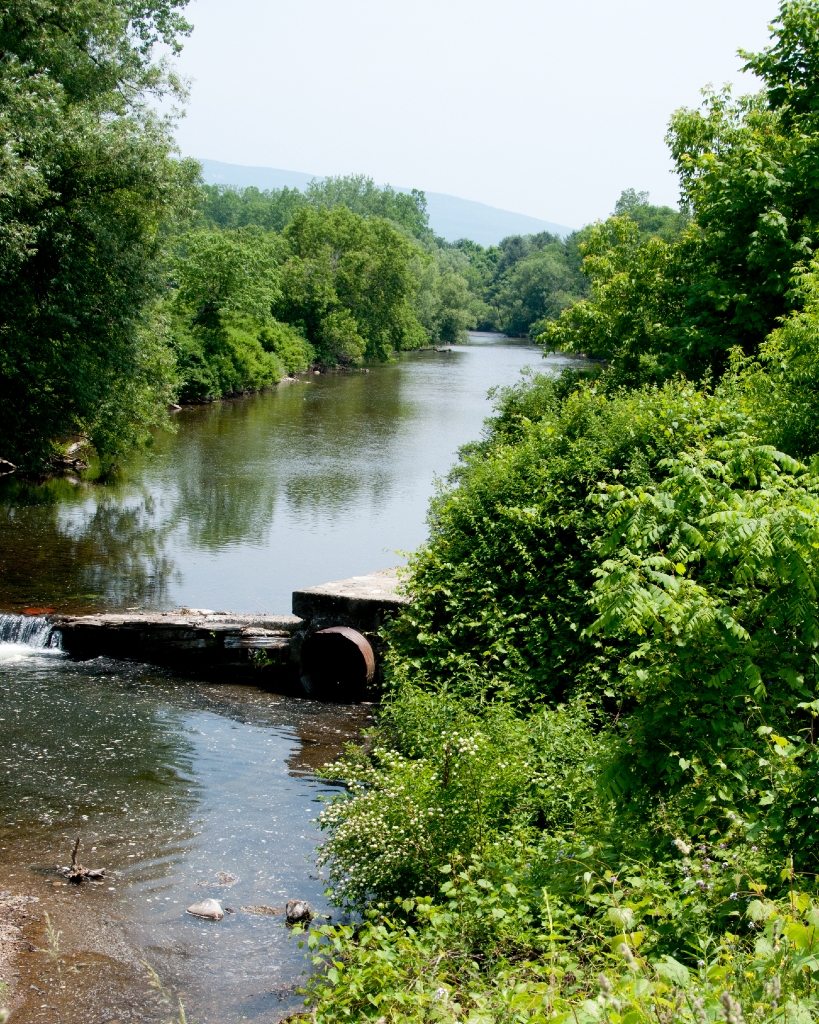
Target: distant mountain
x: 450, y: 217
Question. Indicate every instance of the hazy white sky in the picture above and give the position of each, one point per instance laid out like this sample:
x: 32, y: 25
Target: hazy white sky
x: 544, y: 107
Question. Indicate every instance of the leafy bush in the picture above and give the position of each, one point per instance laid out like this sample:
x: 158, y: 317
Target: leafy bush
x: 642, y: 555
x: 225, y: 338
x: 500, y: 592
x: 445, y: 781
x: 601, y: 720
x: 228, y: 361
x: 493, y: 946
x: 289, y: 346
x: 781, y: 386
x: 707, y: 583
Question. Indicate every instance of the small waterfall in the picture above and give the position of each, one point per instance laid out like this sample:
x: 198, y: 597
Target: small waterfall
x: 29, y: 631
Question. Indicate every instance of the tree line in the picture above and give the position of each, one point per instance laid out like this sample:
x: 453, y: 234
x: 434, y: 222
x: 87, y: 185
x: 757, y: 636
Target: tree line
x: 128, y: 285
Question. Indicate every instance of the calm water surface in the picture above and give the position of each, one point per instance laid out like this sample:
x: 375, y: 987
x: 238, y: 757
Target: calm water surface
x: 169, y: 782
x: 312, y: 481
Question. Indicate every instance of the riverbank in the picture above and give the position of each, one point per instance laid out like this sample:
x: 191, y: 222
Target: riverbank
x: 15, y: 912
x: 181, y: 790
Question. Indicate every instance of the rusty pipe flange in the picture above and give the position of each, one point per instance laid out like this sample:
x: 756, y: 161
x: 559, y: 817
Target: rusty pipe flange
x: 337, y: 664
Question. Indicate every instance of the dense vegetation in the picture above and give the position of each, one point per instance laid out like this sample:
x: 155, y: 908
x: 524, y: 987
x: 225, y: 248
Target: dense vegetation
x: 127, y: 285
x: 86, y: 180
x: 592, y: 792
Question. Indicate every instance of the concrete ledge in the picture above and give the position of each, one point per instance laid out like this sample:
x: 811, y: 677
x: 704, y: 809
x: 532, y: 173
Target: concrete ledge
x: 193, y: 642
x: 362, y: 602
x: 264, y: 649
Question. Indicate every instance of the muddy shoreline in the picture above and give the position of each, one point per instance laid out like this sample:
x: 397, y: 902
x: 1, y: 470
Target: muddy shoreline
x: 15, y: 911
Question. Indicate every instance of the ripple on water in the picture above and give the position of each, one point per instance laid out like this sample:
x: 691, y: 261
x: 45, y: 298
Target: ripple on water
x: 168, y: 784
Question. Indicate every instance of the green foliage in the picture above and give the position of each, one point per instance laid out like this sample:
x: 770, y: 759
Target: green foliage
x: 782, y: 384
x: 790, y: 67
x: 407, y: 814
x: 500, y: 592
x: 637, y: 302
x: 361, y: 195
x: 707, y: 584
x: 653, y: 221
x: 601, y: 718
x: 747, y: 169
x: 535, y: 290
x: 224, y: 336
x: 289, y: 346
x: 524, y: 281
x: 444, y: 305
x: 689, y: 939
x: 643, y: 555
x: 527, y: 281
x: 226, y: 207
x: 86, y: 179
x: 348, y: 283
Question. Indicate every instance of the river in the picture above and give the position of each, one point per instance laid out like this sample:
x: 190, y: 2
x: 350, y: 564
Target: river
x: 170, y: 783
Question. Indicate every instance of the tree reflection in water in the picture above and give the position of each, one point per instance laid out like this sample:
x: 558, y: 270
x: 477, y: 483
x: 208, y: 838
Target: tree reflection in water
x: 252, y: 498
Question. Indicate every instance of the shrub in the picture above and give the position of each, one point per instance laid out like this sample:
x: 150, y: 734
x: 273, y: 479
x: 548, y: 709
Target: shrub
x: 289, y: 346
x: 491, y: 947
x: 501, y: 590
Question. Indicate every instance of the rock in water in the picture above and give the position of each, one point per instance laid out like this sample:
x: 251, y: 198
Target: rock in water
x: 209, y: 909
x: 298, y: 911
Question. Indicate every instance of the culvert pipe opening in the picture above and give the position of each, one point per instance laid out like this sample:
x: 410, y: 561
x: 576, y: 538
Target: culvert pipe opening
x: 337, y: 664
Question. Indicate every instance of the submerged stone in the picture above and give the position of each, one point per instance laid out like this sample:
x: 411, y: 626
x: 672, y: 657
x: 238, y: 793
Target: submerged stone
x: 209, y: 909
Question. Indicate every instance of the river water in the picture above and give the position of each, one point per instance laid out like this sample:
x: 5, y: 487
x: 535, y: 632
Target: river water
x: 251, y: 499
x: 170, y: 783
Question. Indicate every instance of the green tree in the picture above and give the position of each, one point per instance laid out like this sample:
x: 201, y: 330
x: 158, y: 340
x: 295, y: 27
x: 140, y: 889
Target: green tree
x: 224, y: 336
x: 361, y: 195
x: 637, y: 308
x: 524, y: 281
x: 348, y: 283
x: 534, y: 290
x: 654, y: 221
x: 748, y: 172
x: 444, y: 304
x: 86, y: 181
x: 223, y: 206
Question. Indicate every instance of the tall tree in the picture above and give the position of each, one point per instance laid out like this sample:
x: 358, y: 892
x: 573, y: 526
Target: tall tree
x: 86, y: 180
x: 348, y: 283
x: 749, y: 173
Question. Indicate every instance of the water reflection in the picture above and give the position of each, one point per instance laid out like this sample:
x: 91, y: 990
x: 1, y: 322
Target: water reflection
x: 253, y: 498
x: 74, y: 545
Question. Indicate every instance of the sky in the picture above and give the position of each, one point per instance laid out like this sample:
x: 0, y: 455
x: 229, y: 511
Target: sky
x: 544, y: 107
